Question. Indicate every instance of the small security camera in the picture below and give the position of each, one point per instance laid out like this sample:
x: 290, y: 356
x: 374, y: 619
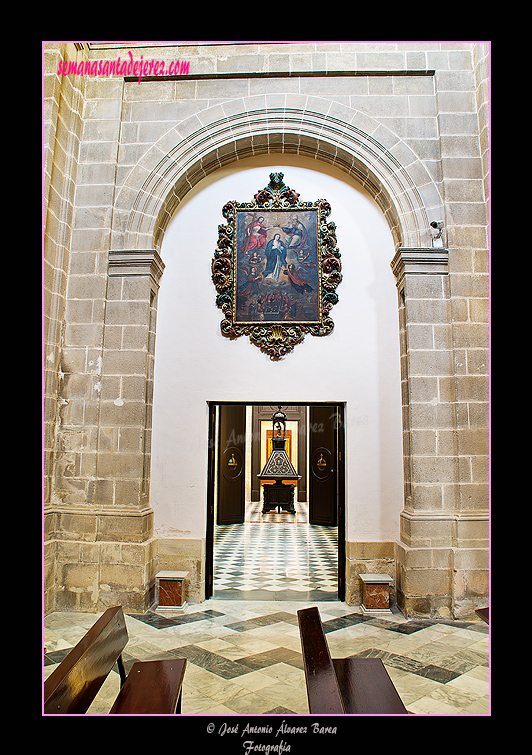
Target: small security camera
x: 436, y: 230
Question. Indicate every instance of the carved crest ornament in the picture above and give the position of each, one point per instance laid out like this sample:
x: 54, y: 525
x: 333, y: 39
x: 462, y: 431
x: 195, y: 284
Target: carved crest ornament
x: 276, y: 269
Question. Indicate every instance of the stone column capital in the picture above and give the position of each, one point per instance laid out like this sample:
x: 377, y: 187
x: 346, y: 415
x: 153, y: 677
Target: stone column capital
x: 420, y: 261
x: 137, y: 262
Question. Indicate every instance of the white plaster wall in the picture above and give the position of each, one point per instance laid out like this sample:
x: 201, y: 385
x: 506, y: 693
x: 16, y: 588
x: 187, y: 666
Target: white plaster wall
x: 358, y: 363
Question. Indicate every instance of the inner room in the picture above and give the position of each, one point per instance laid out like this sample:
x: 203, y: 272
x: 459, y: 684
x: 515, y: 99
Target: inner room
x: 287, y: 548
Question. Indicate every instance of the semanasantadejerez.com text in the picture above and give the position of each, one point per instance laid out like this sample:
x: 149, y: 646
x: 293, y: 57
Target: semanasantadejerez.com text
x: 137, y: 68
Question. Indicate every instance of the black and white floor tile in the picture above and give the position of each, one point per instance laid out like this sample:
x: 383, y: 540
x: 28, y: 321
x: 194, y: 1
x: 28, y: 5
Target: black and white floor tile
x: 275, y: 556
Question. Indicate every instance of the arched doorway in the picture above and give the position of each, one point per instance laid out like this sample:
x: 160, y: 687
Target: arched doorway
x: 356, y: 366
x: 342, y: 140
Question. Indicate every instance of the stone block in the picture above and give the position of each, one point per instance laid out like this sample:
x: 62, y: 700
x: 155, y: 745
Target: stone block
x: 430, y: 362
x: 475, y: 496
x: 102, y: 492
x: 84, y: 335
x: 127, y: 492
x: 126, y: 528
x: 425, y: 582
x: 434, y: 469
x: 79, y: 577
x: 121, y: 413
x: 125, y: 362
x: 427, y: 497
x: 126, y: 313
x: 77, y: 526
x: 120, y: 465
x: 473, y: 441
x: 427, y: 311
x: 184, y: 554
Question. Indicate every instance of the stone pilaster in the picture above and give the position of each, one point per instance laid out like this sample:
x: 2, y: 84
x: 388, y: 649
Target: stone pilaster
x: 424, y: 553
x: 103, y: 531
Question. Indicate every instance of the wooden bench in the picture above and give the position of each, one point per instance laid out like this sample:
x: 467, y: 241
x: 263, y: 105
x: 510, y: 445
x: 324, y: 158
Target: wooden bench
x: 484, y: 614
x: 151, y: 687
x: 343, y: 685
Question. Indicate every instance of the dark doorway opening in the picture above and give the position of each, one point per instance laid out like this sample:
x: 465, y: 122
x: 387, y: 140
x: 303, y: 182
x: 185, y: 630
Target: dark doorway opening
x: 237, y: 448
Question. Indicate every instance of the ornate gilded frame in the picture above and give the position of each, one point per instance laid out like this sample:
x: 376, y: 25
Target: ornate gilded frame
x: 276, y: 283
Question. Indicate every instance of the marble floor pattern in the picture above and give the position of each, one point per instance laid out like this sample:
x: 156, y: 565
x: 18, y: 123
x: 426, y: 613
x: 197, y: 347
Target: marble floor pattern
x: 243, y: 646
x: 275, y: 556
x: 244, y: 657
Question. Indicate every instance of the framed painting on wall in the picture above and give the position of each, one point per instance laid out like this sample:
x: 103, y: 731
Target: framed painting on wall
x: 276, y: 268
x: 276, y: 256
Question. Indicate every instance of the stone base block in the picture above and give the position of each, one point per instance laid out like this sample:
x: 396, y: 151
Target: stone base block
x: 376, y: 593
x: 98, y: 560
x: 171, y: 589
x: 445, y: 582
x: 103, y: 575
x: 366, y: 557
x: 184, y: 554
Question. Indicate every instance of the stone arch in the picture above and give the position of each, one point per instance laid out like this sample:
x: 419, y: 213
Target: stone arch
x: 348, y: 139
x: 383, y: 164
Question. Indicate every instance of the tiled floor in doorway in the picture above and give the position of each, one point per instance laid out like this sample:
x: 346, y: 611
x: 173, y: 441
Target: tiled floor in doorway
x: 275, y: 556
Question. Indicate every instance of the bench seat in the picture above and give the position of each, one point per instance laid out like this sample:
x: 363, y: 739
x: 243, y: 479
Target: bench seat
x: 343, y: 685
x: 366, y: 687
x: 152, y: 687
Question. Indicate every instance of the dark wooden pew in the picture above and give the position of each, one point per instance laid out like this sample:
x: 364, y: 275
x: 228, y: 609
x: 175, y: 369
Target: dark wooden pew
x: 150, y: 687
x: 343, y: 685
x: 484, y: 614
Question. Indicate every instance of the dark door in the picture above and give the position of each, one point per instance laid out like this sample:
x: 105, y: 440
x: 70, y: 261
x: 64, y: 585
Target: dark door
x: 323, y: 465
x: 231, y: 464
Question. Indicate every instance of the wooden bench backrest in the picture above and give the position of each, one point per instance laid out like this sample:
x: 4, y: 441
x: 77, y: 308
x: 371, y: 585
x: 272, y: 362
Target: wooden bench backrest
x: 322, y: 684
x: 73, y: 685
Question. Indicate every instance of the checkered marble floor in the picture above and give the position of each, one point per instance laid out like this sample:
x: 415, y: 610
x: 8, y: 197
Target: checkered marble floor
x: 244, y: 657
x: 275, y: 556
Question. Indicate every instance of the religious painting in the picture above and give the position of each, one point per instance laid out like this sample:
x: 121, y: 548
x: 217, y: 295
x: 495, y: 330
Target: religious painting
x: 276, y: 257
x: 276, y: 268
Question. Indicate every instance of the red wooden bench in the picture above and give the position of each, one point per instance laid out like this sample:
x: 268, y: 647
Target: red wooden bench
x: 151, y: 687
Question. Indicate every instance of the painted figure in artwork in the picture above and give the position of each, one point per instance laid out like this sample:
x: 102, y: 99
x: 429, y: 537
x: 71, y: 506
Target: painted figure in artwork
x: 296, y: 232
x: 255, y: 235
x: 275, y: 257
x: 251, y: 284
x: 296, y: 282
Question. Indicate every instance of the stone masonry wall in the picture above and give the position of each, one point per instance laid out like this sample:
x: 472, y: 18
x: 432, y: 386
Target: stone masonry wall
x: 118, y: 158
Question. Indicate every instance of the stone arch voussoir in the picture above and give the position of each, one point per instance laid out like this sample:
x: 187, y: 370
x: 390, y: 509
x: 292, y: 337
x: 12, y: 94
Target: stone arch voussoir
x: 353, y: 142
